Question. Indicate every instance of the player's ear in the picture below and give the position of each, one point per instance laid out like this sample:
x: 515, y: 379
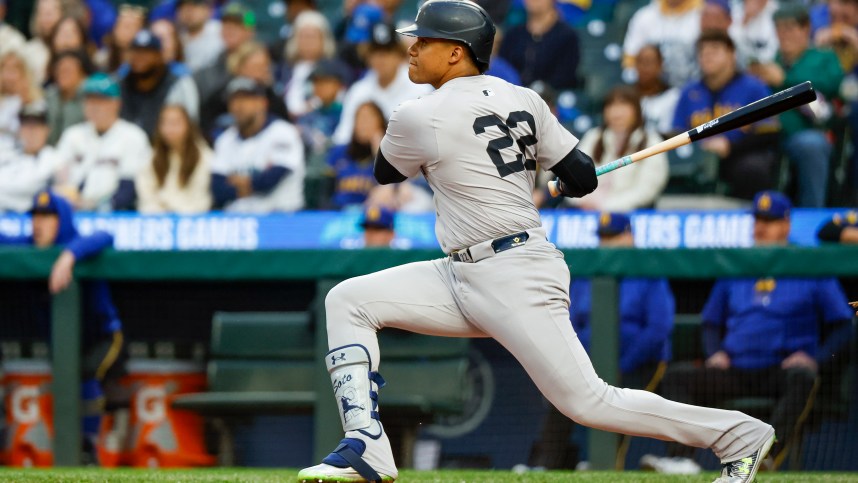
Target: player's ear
x: 457, y: 54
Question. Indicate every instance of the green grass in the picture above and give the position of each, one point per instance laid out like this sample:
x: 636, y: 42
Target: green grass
x: 95, y: 475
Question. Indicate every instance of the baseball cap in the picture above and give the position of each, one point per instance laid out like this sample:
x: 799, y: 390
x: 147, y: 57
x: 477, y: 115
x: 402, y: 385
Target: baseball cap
x: 44, y: 203
x: 772, y: 205
x: 723, y: 4
x: 792, y: 11
x: 364, y: 17
x: 246, y: 86
x: 34, y: 112
x: 384, y: 37
x: 611, y: 224
x: 236, y: 12
x: 377, y: 217
x: 329, y: 68
x: 100, y: 84
x: 145, y: 39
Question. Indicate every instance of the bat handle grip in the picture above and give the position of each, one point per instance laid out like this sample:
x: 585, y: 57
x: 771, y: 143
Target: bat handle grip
x: 613, y: 165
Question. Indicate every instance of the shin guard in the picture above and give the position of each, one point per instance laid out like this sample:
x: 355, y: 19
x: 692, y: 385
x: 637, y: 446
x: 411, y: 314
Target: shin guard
x: 351, y: 379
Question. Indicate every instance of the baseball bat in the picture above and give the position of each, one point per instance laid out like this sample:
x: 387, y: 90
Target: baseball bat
x: 774, y: 104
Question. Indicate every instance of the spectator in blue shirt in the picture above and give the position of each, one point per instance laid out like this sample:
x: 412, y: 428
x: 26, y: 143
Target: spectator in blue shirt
x: 647, y: 308
x: 767, y: 337
x: 53, y: 225
x: 352, y: 163
x: 747, y: 158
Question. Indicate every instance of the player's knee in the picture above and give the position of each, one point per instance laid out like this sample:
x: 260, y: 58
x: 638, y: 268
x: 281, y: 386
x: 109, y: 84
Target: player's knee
x: 339, y: 297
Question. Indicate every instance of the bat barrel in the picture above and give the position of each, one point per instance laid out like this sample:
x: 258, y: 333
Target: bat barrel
x: 772, y: 105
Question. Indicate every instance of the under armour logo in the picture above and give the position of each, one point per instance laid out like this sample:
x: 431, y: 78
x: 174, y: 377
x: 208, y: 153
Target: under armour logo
x: 488, y: 93
x: 340, y: 358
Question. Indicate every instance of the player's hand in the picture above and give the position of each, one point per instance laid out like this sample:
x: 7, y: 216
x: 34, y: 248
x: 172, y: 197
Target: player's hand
x: 718, y: 360
x: 243, y: 185
x: 800, y: 359
x: 62, y: 272
x: 718, y: 145
x: 854, y: 306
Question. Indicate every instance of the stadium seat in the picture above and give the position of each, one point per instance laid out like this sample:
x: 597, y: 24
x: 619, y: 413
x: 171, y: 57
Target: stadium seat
x: 266, y: 363
x: 692, y: 170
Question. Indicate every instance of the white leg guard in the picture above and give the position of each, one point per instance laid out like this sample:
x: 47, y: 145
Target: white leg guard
x: 364, y: 454
x: 352, y: 381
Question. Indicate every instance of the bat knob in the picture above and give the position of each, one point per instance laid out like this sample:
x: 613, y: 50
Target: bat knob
x: 553, y: 188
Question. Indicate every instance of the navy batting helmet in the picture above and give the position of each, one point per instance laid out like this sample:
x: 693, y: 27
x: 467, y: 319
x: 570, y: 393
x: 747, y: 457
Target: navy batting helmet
x: 460, y: 20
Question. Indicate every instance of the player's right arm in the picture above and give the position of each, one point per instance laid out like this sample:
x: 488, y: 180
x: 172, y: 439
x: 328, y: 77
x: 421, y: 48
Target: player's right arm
x: 557, y: 151
x: 407, y: 145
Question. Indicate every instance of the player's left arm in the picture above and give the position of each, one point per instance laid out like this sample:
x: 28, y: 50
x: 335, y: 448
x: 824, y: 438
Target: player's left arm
x: 80, y: 248
x: 407, y: 145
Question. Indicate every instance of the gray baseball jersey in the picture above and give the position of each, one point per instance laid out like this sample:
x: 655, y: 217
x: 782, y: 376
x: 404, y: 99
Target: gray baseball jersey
x: 477, y: 140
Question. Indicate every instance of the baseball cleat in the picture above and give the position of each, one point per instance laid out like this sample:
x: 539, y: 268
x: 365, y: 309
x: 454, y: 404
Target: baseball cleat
x: 325, y: 473
x: 744, y: 470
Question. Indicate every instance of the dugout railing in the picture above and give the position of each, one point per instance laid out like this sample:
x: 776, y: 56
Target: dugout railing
x: 603, y: 266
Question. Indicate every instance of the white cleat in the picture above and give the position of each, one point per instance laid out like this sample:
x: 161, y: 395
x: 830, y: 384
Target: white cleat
x: 744, y: 470
x: 324, y: 473
x: 670, y: 466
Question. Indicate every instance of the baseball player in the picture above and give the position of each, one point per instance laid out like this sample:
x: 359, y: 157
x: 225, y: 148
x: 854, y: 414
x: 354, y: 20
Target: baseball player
x: 477, y: 140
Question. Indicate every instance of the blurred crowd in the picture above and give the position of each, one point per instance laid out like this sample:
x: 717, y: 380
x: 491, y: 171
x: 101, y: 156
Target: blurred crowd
x: 187, y: 106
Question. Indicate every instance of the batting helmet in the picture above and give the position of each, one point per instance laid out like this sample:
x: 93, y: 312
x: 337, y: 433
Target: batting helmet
x: 460, y: 20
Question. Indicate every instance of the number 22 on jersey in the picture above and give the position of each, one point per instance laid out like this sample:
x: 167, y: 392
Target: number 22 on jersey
x: 507, y: 140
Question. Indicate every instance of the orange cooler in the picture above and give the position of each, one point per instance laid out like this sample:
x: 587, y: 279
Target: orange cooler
x: 159, y: 435
x: 29, y: 414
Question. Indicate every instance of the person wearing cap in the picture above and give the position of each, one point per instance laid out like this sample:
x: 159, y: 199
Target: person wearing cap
x: 200, y: 33
x: 767, y: 337
x: 258, y: 165
x: 150, y: 85
x: 747, y: 157
x: 386, y: 83
x: 803, y: 136
x: 102, y: 342
x: 100, y: 157
x: 64, y: 98
x: 238, y: 25
x: 543, y: 48
x: 27, y: 168
x: 841, y: 228
x: 647, y: 309
x: 377, y: 225
x: 329, y: 80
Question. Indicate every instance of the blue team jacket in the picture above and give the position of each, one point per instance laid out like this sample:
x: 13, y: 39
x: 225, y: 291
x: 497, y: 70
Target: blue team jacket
x: 647, y: 309
x: 100, y: 317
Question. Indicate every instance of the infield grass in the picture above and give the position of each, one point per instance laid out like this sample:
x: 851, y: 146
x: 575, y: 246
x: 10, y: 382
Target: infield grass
x: 242, y: 475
